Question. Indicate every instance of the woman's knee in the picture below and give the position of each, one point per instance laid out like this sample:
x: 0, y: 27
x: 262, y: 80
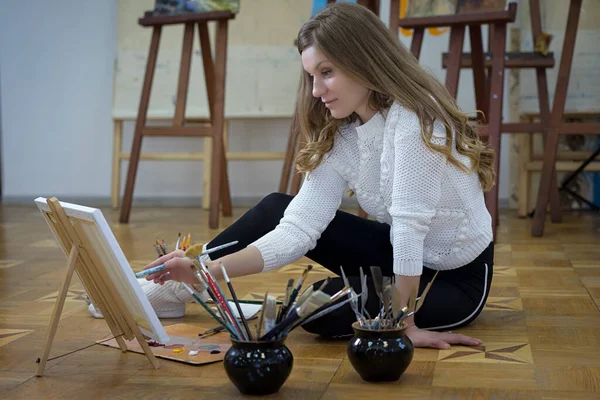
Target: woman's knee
x: 274, y: 203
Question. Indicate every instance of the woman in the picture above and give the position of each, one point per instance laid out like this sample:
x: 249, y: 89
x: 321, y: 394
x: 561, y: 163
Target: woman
x: 377, y: 123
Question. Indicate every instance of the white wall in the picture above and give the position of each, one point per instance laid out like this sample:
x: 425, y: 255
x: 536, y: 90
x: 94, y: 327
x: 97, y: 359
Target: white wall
x: 56, y: 68
x: 56, y: 71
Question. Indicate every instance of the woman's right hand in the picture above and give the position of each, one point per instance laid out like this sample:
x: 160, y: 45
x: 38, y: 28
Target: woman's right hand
x: 177, y: 268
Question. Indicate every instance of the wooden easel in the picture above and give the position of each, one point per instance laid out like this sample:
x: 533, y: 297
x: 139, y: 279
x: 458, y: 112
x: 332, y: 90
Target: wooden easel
x: 556, y: 125
x: 83, y: 259
x: 214, y: 74
x: 489, y: 88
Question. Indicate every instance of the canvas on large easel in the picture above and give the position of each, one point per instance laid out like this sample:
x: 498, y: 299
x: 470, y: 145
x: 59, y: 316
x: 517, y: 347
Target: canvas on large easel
x: 94, y: 254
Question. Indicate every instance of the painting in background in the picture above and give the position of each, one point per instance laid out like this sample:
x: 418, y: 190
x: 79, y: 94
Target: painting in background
x: 319, y: 5
x: 172, y: 7
x: 429, y: 8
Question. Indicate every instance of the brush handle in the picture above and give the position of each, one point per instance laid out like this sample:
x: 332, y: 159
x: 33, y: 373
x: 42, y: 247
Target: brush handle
x: 211, y: 312
x: 239, y: 308
x: 150, y: 271
x: 281, y: 327
x: 221, y: 300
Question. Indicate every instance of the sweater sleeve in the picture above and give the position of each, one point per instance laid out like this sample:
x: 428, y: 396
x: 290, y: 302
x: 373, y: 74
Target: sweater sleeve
x: 417, y: 175
x: 305, y: 218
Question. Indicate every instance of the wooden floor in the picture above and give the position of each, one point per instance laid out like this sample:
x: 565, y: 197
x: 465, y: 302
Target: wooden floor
x: 540, y: 327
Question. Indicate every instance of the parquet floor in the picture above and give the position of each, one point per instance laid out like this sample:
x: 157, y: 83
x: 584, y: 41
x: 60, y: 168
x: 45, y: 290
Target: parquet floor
x: 540, y: 327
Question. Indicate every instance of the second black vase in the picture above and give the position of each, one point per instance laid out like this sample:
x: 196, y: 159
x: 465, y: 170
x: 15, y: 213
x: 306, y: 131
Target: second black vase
x: 380, y: 355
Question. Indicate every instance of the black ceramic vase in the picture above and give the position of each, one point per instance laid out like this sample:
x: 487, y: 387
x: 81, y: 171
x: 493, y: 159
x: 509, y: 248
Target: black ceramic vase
x: 258, y: 368
x: 380, y: 356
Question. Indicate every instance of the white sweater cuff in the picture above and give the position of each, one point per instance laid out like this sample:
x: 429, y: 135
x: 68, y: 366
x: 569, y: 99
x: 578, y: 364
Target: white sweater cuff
x: 408, y: 267
x: 268, y: 253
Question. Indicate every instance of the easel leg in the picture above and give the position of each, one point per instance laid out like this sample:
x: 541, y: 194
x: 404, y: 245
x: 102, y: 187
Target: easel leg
x: 226, y: 206
x: 116, y: 171
x: 58, y: 307
x: 206, y: 172
x: 121, y: 343
x: 140, y: 125
x: 142, y: 341
x: 556, y: 118
x: 457, y: 36
x: 218, y: 152
x: 495, y: 114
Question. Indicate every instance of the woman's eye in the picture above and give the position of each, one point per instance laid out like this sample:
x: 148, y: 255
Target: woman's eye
x: 326, y: 72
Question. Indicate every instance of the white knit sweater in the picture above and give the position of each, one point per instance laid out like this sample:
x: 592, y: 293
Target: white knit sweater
x: 437, y: 212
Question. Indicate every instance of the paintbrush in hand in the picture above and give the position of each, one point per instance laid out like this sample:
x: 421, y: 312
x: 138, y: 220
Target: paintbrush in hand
x: 237, y: 304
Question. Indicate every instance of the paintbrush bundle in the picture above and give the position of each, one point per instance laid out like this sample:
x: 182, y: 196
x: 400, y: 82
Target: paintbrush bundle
x: 391, y: 313
x: 182, y: 243
x: 273, y: 323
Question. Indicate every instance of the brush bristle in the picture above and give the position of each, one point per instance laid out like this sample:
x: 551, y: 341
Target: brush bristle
x: 194, y: 251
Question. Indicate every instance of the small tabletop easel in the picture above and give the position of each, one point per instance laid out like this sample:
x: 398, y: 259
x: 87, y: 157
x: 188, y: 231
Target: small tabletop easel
x: 82, y: 257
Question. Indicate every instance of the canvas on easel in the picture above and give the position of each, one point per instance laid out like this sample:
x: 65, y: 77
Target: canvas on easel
x: 94, y: 254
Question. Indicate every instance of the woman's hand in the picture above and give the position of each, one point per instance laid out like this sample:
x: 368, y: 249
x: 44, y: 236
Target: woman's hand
x: 438, y: 340
x: 177, y: 268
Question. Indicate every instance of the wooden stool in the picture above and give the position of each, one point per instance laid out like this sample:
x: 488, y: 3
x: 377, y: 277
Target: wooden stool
x: 293, y: 143
x: 566, y: 161
x: 214, y: 74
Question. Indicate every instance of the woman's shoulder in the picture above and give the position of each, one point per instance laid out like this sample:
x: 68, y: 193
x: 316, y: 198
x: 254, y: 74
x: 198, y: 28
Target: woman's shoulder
x: 401, y: 120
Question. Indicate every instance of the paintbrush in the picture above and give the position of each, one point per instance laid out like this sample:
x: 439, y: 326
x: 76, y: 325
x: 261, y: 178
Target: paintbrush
x: 324, y: 312
x: 270, y: 313
x: 421, y: 299
x: 204, y: 280
x: 377, y: 281
x: 196, y: 250
x: 212, y: 282
x: 313, y: 303
x: 325, y: 283
x: 305, y: 296
x: 211, y: 312
x: 237, y: 304
x: 286, y: 299
x: 261, y: 319
x: 297, y: 289
x: 178, y: 243
x: 191, y: 253
x: 365, y: 294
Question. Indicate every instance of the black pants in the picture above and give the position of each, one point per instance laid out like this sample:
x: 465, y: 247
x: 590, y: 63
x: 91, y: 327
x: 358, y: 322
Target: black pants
x: 455, y: 299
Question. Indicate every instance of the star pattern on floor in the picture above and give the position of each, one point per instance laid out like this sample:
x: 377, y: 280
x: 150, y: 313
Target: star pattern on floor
x: 299, y: 269
x: 5, y: 264
x: 519, y: 353
x: 72, y: 296
x: 10, y: 335
x: 505, y: 271
x: 504, y: 303
x: 46, y: 244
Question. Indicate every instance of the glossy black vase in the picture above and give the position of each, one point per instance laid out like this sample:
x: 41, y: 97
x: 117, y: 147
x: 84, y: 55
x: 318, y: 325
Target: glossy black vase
x: 258, y: 368
x: 380, y: 356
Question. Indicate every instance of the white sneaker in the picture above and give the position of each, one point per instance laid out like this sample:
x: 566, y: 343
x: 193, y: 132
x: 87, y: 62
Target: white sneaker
x: 167, y: 300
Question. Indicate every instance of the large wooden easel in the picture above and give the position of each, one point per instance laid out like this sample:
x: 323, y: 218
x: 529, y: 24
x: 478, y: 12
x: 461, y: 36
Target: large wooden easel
x: 83, y: 258
x: 214, y: 74
x: 489, y: 87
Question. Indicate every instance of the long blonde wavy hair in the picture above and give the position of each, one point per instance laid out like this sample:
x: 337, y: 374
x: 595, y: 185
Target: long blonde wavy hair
x: 357, y: 42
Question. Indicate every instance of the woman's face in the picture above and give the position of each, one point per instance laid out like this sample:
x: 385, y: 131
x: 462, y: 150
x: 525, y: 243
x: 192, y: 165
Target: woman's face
x: 341, y: 94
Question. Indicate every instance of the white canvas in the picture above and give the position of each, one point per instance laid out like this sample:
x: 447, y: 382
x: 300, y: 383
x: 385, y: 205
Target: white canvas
x: 115, y: 264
